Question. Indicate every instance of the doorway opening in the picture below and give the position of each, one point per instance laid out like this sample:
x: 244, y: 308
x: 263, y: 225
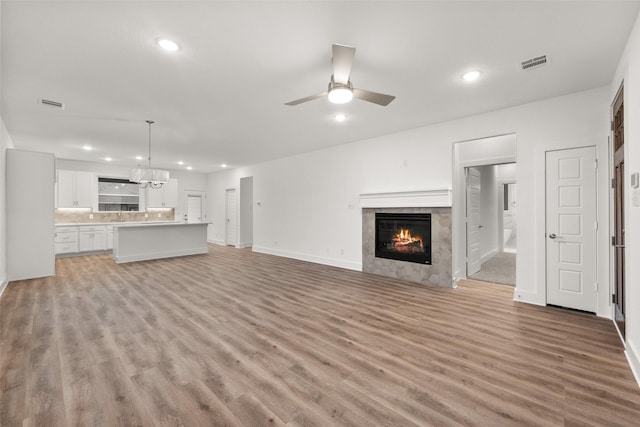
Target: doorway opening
x: 618, y: 240
x: 508, y: 200
x: 194, y: 211
x: 231, y: 218
x: 491, y: 223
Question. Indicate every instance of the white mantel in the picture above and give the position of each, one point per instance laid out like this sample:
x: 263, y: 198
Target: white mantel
x: 407, y: 199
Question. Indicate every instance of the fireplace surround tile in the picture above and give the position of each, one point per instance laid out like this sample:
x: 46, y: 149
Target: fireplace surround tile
x: 438, y: 273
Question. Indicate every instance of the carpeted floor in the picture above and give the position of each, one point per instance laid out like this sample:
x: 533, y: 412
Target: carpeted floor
x: 500, y: 268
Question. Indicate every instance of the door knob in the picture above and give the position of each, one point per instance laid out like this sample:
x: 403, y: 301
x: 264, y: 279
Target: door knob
x: 552, y: 236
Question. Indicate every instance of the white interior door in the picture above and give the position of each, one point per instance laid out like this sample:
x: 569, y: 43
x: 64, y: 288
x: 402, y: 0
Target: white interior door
x: 474, y: 192
x: 571, y: 228
x: 194, y: 208
x: 231, y: 220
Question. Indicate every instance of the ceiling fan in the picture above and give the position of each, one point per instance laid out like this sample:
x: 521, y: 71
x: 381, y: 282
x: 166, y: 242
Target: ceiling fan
x: 340, y: 89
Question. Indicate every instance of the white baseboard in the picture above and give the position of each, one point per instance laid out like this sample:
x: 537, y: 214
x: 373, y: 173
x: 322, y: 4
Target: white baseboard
x: 3, y: 286
x: 488, y: 255
x: 349, y: 265
x: 217, y: 242
x: 634, y: 363
x: 527, y: 296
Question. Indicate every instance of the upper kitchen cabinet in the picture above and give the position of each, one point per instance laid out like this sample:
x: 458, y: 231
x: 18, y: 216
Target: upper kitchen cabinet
x: 165, y: 197
x: 76, y: 189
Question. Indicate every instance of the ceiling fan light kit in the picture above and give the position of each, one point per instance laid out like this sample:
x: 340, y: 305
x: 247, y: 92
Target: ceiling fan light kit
x: 340, y: 89
x: 148, y: 177
x: 339, y: 93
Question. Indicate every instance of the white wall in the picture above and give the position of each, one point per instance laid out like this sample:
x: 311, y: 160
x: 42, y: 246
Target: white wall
x: 507, y: 172
x: 309, y: 203
x: 5, y: 142
x: 246, y: 212
x: 186, y: 180
x: 629, y: 71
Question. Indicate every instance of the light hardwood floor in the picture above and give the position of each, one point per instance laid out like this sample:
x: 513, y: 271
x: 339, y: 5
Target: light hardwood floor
x: 240, y: 338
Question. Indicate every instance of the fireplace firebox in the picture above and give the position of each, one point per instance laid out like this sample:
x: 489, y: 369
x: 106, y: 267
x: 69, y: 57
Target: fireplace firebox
x: 404, y: 237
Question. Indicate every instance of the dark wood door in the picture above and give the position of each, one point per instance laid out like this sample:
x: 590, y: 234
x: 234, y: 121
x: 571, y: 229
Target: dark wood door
x: 618, y: 238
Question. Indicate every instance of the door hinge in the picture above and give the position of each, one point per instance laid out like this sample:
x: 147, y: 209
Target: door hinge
x: 612, y: 125
x: 595, y: 224
x: 613, y: 183
x: 614, y: 299
x: 613, y: 240
x: 595, y: 164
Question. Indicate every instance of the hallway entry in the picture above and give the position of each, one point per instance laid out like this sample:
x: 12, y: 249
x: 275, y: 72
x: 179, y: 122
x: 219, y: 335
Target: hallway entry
x: 491, y: 223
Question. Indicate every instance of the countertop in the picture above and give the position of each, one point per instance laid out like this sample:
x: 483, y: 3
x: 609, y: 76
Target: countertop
x: 157, y: 224
x: 81, y: 224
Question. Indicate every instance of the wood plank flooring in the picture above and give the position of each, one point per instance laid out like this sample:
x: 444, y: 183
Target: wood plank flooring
x: 245, y: 339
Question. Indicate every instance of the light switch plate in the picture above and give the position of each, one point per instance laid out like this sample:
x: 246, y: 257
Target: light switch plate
x: 635, y: 180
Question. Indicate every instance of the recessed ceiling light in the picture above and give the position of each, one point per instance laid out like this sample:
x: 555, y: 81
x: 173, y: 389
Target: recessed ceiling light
x: 224, y: 165
x: 471, y: 75
x: 181, y: 163
x: 139, y: 157
x: 189, y: 168
x: 86, y: 147
x: 168, y: 45
x: 340, y: 117
x: 108, y: 159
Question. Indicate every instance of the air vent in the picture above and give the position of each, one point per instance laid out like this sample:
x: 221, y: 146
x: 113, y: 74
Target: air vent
x: 536, y: 62
x: 52, y: 104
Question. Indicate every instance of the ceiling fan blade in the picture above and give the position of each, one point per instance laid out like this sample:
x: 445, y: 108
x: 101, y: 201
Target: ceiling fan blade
x: 376, y: 98
x: 342, y: 62
x: 308, y: 98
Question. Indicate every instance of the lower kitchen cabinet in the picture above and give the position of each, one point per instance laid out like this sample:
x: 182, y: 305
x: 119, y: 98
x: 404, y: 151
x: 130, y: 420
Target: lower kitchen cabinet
x: 85, y: 238
x: 66, y: 240
x: 92, y: 238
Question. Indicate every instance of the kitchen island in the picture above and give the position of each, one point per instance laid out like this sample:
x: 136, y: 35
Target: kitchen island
x: 145, y: 241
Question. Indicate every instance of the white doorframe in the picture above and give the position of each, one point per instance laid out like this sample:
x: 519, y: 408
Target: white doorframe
x: 474, y: 220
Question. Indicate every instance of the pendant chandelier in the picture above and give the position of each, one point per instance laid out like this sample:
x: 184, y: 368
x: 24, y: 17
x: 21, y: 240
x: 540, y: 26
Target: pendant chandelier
x: 148, y: 177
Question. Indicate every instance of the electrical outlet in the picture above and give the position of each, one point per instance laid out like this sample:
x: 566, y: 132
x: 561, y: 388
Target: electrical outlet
x: 146, y: 215
x: 159, y: 215
x: 90, y: 216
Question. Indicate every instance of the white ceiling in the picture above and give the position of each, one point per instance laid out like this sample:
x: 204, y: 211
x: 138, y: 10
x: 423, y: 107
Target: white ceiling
x: 220, y: 99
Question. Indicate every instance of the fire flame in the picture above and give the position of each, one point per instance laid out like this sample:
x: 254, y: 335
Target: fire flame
x: 404, y: 238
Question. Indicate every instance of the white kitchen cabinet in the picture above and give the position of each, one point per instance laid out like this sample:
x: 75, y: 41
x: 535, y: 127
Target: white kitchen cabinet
x: 109, y: 237
x: 76, y: 189
x: 92, y: 238
x: 66, y: 240
x: 165, y: 197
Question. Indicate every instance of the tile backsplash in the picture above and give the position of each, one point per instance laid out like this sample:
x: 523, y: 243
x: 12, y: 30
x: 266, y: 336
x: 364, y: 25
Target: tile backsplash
x: 71, y: 216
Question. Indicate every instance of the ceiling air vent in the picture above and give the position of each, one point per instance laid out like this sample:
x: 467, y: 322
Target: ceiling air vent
x: 532, y: 63
x: 52, y: 104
